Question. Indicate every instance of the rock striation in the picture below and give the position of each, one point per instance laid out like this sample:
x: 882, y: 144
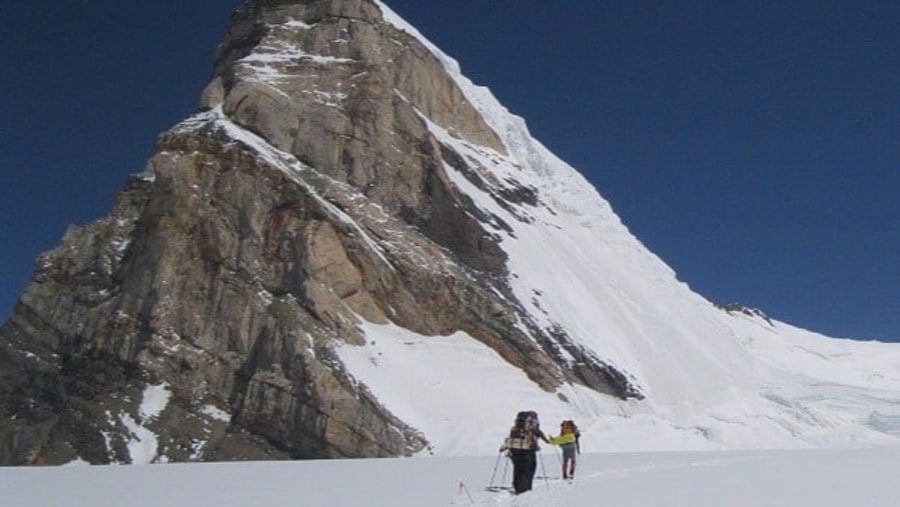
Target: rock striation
x: 309, y: 192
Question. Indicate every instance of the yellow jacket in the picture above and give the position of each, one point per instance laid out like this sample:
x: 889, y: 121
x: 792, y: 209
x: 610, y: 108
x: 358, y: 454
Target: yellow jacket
x: 565, y: 438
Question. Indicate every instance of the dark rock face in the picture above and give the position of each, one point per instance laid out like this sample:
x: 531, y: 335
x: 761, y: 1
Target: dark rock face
x: 224, y: 277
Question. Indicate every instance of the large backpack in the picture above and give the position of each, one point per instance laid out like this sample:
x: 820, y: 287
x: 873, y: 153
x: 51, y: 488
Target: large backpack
x: 522, y: 434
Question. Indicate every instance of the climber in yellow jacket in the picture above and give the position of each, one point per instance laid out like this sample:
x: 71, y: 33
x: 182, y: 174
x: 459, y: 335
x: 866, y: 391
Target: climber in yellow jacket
x: 568, y: 440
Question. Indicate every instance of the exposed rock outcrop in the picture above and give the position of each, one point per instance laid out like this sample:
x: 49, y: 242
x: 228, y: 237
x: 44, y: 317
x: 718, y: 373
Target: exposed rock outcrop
x: 307, y: 194
x: 739, y: 308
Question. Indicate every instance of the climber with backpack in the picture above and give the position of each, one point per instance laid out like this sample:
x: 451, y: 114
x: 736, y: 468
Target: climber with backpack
x: 568, y: 440
x: 522, y: 446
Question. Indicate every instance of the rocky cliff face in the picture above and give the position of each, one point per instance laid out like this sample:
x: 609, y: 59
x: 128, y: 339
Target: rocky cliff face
x: 308, y: 193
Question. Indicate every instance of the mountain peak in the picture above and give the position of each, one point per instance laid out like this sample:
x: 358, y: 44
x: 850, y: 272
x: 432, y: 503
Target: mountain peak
x: 322, y: 187
x: 353, y: 251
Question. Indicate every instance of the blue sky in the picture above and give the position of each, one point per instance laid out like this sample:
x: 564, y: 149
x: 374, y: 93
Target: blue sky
x: 751, y: 145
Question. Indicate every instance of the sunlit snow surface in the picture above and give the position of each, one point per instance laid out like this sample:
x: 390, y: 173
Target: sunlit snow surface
x: 820, y: 478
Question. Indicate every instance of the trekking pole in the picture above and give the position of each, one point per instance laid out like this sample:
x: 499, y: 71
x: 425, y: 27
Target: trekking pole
x: 494, y: 473
x: 543, y: 470
x: 505, y: 469
x: 464, y: 489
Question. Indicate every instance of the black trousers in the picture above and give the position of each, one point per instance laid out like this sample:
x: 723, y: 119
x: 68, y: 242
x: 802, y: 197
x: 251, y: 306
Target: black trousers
x: 524, y: 466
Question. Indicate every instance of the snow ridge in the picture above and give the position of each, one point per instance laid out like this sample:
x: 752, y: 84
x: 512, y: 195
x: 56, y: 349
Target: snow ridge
x: 713, y: 380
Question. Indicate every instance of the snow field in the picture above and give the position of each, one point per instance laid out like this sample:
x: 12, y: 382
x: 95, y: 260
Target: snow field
x: 821, y: 478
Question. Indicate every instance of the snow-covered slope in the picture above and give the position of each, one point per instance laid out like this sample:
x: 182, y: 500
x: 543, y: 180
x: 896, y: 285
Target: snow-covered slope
x: 711, y: 379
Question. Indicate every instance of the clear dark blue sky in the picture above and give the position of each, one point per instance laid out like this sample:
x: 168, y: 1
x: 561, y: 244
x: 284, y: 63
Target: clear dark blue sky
x: 752, y: 145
